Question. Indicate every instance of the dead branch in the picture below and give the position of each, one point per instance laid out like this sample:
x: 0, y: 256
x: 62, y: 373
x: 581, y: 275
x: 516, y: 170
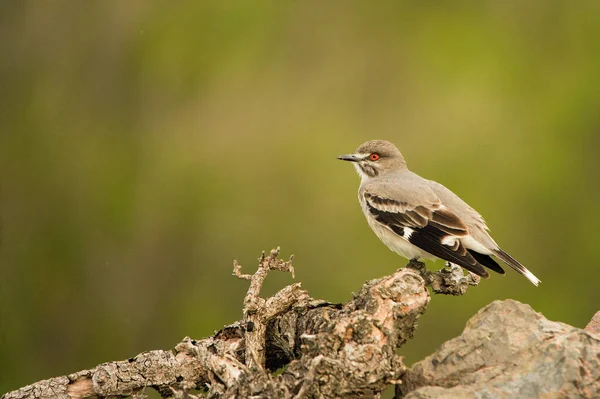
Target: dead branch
x: 450, y: 280
x: 258, y: 311
x: 328, y: 350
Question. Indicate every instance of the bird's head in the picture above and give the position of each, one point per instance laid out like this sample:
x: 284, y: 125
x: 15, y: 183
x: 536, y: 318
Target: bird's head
x: 376, y: 158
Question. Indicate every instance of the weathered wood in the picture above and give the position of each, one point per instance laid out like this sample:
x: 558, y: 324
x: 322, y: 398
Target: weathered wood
x: 327, y: 350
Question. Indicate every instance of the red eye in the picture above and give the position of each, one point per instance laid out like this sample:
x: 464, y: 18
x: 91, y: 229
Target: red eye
x: 374, y: 156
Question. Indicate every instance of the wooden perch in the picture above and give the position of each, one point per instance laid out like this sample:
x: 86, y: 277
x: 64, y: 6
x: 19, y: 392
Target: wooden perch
x: 258, y: 311
x: 321, y: 349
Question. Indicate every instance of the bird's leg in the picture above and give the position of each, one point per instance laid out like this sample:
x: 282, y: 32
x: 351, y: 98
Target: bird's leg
x: 450, y: 268
x: 451, y: 280
x: 418, y: 266
x: 415, y: 264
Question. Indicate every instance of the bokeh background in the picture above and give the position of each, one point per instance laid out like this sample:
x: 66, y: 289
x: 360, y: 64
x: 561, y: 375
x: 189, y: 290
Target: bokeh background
x: 145, y: 145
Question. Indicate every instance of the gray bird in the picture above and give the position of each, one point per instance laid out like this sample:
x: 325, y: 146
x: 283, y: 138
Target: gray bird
x: 420, y: 218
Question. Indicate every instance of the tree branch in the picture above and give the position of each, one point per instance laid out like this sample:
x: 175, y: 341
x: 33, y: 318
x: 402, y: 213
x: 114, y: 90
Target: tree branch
x: 328, y: 350
x: 258, y: 311
x: 448, y: 281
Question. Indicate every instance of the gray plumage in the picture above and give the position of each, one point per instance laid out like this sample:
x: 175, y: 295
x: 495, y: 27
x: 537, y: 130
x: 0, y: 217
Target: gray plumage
x: 420, y: 218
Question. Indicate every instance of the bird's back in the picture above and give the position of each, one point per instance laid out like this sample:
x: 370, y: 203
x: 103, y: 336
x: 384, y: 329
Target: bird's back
x: 403, y: 186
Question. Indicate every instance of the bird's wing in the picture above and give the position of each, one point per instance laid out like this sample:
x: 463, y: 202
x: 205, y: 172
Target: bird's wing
x: 414, y: 212
x: 477, y: 227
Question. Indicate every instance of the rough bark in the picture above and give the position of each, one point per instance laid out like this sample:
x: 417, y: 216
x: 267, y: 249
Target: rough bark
x: 326, y: 350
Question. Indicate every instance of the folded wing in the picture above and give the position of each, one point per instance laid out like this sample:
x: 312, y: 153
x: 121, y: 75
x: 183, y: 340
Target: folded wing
x: 434, y: 228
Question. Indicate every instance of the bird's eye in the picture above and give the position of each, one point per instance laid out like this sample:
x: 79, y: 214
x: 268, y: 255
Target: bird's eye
x: 374, y: 156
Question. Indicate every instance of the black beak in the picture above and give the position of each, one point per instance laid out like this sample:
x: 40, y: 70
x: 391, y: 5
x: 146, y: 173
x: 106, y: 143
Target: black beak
x: 350, y: 157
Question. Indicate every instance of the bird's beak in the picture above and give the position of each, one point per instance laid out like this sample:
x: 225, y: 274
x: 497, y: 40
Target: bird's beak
x: 350, y: 157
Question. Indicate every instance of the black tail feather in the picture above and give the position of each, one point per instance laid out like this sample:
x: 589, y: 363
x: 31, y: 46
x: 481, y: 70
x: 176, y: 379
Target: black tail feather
x: 487, y: 261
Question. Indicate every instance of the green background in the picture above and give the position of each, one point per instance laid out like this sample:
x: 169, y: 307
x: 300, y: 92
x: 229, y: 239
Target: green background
x: 145, y: 145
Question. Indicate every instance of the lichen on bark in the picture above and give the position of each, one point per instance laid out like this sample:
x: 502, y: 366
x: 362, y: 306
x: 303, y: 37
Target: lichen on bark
x: 293, y: 346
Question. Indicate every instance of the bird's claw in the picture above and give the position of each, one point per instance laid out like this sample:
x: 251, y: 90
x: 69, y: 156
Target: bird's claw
x: 416, y: 265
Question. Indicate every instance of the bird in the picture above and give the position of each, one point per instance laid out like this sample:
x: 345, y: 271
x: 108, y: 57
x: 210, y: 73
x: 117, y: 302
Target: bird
x: 421, y: 219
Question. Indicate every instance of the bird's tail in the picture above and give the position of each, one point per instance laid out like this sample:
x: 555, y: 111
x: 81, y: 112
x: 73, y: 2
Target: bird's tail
x: 512, y: 262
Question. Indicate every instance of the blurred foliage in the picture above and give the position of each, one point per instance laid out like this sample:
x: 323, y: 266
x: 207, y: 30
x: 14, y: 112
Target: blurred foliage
x: 145, y: 145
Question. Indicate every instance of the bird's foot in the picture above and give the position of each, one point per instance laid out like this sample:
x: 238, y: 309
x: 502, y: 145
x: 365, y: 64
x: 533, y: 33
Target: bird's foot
x: 448, y: 267
x: 451, y: 269
x: 451, y: 280
x: 420, y: 268
x: 415, y: 264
